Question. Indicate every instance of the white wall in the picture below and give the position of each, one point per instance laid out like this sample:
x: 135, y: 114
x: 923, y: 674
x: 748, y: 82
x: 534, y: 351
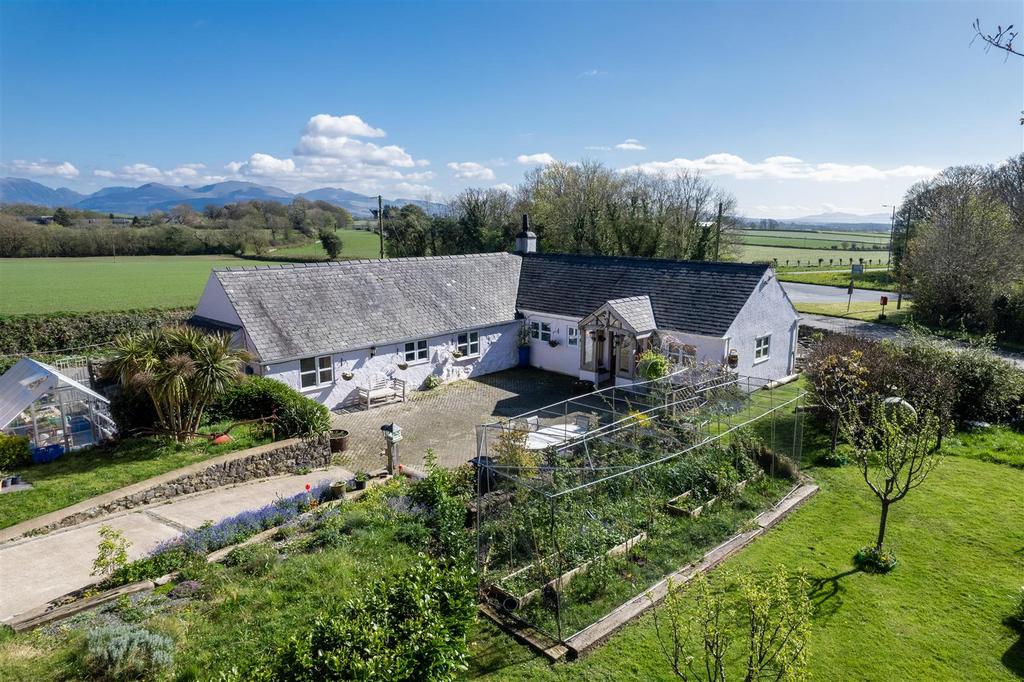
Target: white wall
x: 767, y: 311
x: 563, y: 359
x: 214, y: 304
x: 710, y: 349
x: 497, y: 352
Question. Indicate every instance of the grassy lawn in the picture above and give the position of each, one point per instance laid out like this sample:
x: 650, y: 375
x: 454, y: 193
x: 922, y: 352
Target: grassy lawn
x: 872, y: 279
x: 46, y: 285
x: 938, y: 616
x: 93, y: 471
x: 861, y: 311
x: 997, y: 444
x: 355, y: 244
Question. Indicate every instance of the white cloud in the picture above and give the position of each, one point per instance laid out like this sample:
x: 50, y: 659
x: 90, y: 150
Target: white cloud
x: 504, y: 187
x: 329, y: 153
x: 597, y: 148
x: 592, y: 73
x: 541, y: 159
x: 42, y: 168
x: 781, y: 168
x: 339, y: 126
x: 183, y: 174
x: 471, y: 170
x: 412, y: 190
x: 631, y: 145
x: 262, y: 165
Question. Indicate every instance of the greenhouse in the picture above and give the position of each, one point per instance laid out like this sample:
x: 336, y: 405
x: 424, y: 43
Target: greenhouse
x: 54, y: 411
x: 586, y: 503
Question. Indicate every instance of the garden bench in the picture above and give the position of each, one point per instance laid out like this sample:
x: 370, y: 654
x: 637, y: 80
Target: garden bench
x: 381, y: 387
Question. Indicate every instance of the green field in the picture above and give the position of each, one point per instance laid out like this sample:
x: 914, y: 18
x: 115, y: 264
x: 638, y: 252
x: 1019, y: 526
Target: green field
x: 355, y: 244
x: 789, y: 256
x: 872, y: 279
x: 46, y: 285
x: 814, y: 240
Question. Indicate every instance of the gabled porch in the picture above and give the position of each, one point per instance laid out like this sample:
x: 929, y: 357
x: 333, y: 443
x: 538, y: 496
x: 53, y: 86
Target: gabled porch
x: 612, y: 337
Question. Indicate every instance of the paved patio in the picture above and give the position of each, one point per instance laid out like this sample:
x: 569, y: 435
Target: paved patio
x: 445, y: 419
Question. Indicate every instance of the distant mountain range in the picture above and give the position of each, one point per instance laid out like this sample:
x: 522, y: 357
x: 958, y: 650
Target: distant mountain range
x: 157, y: 197
x: 844, y: 219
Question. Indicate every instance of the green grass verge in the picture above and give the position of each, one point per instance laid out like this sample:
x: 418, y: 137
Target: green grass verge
x: 355, y: 244
x: 939, y: 615
x: 46, y: 285
x: 872, y: 279
x: 861, y: 311
x: 89, y: 472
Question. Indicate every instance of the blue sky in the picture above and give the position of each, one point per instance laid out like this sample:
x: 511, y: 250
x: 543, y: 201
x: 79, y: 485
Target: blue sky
x: 796, y: 108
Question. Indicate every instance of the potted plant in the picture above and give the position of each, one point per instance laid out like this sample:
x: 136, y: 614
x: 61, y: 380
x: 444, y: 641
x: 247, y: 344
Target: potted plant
x: 347, y: 376
x: 339, y: 440
x: 403, y: 365
x: 553, y: 343
x: 361, y: 478
x: 523, y: 341
x: 456, y: 354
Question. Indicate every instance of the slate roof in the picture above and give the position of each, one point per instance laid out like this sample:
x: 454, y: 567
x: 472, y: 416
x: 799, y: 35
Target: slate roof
x: 636, y: 311
x: 686, y: 296
x: 295, y: 311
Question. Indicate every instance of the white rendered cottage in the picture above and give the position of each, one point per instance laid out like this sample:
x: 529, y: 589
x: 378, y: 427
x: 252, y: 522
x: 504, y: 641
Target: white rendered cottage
x: 328, y: 328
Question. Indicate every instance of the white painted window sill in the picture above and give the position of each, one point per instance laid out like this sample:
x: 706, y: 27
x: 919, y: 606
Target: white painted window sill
x: 413, y: 363
x: 318, y: 387
x: 764, y: 359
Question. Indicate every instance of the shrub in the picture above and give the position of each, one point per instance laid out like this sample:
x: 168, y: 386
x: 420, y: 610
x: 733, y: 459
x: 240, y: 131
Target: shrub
x: 258, y: 397
x: 126, y: 652
x: 873, y: 560
x: 413, y: 627
x: 14, y: 452
x: 112, y: 552
x: 132, y: 411
x: 652, y: 365
x: 989, y: 387
x: 431, y: 382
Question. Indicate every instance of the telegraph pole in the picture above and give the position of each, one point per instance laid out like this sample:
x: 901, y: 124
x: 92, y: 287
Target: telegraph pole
x: 718, y: 230
x: 380, y: 222
x: 892, y: 227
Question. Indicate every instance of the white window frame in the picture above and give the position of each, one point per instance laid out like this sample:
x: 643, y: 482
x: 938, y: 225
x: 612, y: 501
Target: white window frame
x: 322, y: 372
x: 468, y: 344
x: 572, y: 335
x: 681, y: 358
x: 762, y: 348
x: 540, y: 331
x: 416, y: 352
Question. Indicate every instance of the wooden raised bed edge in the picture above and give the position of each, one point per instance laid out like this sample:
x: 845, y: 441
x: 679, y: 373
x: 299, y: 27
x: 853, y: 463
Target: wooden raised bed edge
x: 511, y: 602
x: 673, y: 508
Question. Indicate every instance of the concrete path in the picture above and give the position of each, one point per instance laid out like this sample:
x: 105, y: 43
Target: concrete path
x: 820, y: 293
x: 36, y: 570
x: 876, y: 331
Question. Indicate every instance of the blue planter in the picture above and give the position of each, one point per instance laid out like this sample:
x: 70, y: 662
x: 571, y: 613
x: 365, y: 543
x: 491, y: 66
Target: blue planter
x: 524, y: 356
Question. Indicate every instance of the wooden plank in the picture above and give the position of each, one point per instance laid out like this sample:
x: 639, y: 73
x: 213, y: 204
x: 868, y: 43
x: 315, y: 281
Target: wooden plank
x: 41, y: 616
x: 526, y: 634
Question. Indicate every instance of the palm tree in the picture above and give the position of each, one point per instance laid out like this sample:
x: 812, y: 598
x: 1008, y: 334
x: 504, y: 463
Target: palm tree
x: 180, y: 369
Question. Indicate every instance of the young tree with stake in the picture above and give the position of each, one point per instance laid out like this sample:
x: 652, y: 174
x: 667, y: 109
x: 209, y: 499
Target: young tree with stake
x: 895, y: 449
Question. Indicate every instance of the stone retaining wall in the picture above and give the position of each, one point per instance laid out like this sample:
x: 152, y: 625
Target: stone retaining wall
x: 285, y: 457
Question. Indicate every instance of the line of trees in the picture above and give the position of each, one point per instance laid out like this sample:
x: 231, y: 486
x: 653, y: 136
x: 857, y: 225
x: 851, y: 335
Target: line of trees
x: 244, y: 227
x: 584, y: 208
x: 959, y: 248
